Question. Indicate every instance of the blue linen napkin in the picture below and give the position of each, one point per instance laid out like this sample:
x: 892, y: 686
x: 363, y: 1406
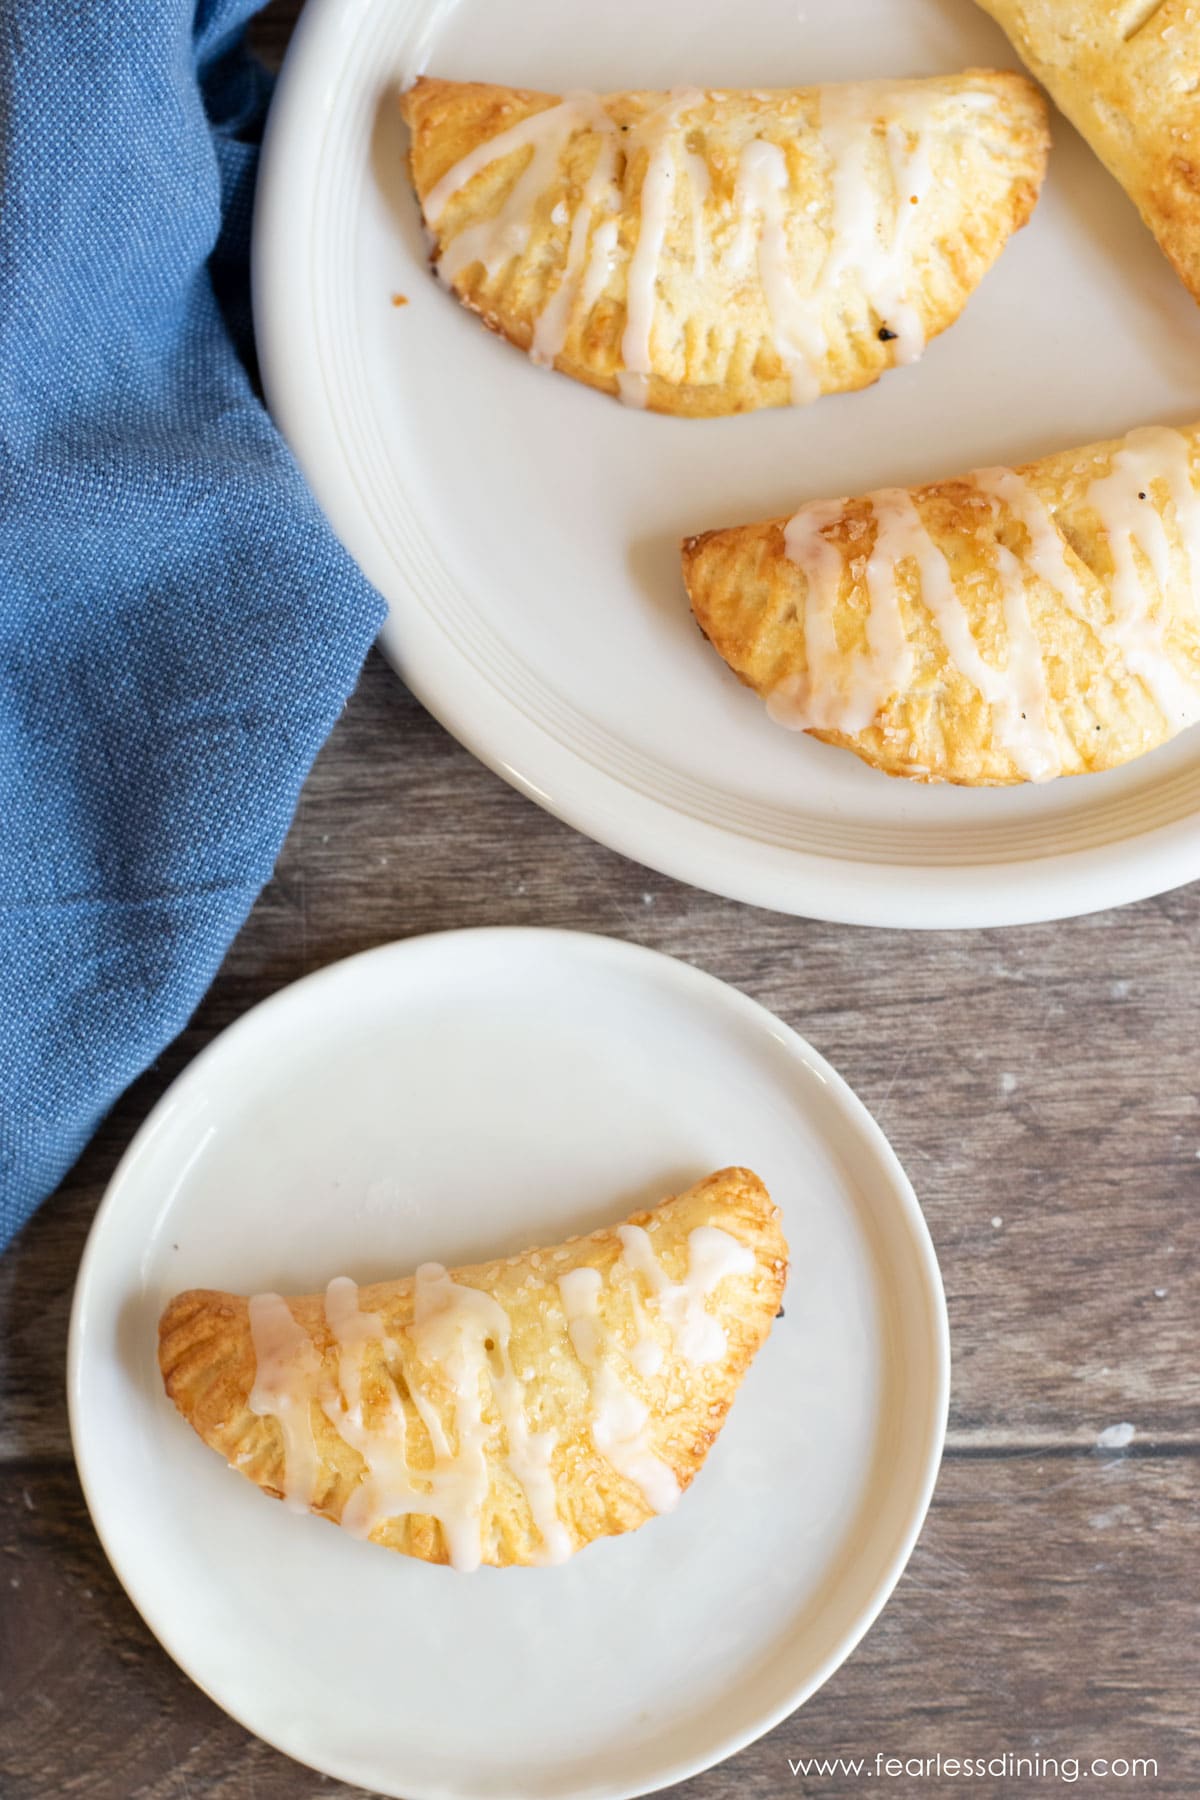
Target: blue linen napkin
x: 178, y: 626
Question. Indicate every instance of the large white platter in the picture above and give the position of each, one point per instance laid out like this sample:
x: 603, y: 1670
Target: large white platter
x: 452, y: 1098
x: 525, y: 530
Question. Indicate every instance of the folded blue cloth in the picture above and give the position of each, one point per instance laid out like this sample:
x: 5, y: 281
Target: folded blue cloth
x: 178, y: 627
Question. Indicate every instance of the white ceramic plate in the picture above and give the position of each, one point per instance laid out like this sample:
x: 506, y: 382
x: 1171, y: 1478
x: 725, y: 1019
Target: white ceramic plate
x: 525, y: 530
x: 458, y: 1096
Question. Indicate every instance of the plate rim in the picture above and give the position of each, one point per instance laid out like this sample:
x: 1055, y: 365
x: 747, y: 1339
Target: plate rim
x: 687, y: 977
x: 490, y: 725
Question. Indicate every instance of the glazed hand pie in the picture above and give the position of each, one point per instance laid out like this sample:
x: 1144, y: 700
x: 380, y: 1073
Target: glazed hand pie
x: 1011, y: 625
x: 506, y: 1413
x: 705, y: 252
x: 1128, y: 77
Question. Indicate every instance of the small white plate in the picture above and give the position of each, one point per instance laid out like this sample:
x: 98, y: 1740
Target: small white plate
x: 525, y: 530
x: 455, y: 1097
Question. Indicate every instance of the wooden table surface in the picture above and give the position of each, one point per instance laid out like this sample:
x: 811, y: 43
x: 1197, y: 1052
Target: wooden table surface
x: 1040, y: 1086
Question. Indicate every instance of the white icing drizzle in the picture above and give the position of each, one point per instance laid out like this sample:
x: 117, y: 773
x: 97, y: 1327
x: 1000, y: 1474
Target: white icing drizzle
x: 549, y: 124
x: 697, y: 1336
x: 912, y: 178
x: 606, y: 241
x: 353, y: 1330
x: 657, y: 202
x: 1131, y: 522
x: 584, y: 275
x: 619, y: 1419
x: 462, y: 1336
x: 580, y: 1292
x: 389, y: 1488
x: 657, y: 206
x: 841, y: 692
x: 1045, y: 555
x: 633, y: 388
x: 796, y: 323
x: 845, y: 692
x: 869, y: 234
x: 1028, y: 699
x: 1027, y: 740
x: 461, y: 1333
x: 645, y: 1353
x: 465, y: 1333
x: 861, y: 243
x: 495, y: 241
x: 700, y: 186
x: 286, y: 1367
x: 594, y: 241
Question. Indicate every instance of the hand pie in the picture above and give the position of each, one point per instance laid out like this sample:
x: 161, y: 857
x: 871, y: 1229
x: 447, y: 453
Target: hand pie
x: 1011, y: 625
x: 705, y: 252
x: 505, y: 1413
x: 1128, y: 77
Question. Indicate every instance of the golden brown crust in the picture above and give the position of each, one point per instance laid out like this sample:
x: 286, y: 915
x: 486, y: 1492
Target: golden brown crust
x: 715, y: 347
x: 1128, y: 77
x: 208, y: 1364
x: 749, y: 599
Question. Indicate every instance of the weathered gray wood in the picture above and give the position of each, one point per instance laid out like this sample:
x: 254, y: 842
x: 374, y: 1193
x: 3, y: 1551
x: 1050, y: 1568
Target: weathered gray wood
x: 1044, y: 1077
x: 1049, y: 1608
x: 1054, y: 1593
